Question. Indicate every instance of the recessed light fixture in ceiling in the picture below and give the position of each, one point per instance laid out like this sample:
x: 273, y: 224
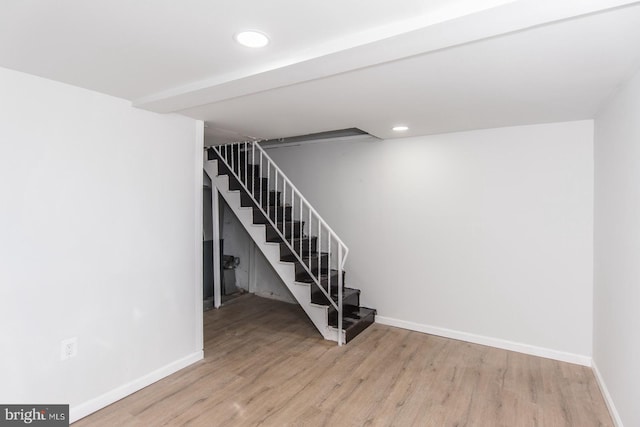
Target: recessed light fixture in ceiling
x: 252, y: 38
x: 400, y: 128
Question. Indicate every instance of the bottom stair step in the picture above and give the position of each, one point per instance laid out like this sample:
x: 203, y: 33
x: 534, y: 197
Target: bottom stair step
x: 350, y: 298
x: 355, y: 322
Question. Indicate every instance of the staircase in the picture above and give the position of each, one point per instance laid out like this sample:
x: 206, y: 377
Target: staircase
x: 301, y: 247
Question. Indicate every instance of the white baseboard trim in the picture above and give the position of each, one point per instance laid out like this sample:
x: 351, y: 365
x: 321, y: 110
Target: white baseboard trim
x: 80, y: 411
x: 489, y: 341
x: 615, y: 416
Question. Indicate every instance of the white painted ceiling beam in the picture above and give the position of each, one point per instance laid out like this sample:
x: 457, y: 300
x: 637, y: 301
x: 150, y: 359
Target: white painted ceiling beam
x: 377, y: 46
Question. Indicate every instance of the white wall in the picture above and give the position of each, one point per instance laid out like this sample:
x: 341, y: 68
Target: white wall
x: 253, y: 264
x: 100, y: 225
x: 237, y: 242
x: 268, y: 283
x: 617, y: 252
x: 483, y: 235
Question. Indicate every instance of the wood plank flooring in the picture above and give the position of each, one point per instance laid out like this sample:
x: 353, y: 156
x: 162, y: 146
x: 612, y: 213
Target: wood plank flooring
x: 265, y: 365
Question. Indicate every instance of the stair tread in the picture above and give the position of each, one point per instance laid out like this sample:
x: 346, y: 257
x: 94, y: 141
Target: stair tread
x: 297, y: 239
x: 361, y: 313
x: 305, y: 239
x: 355, y: 322
x: 282, y: 212
x: 273, y: 237
x: 292, y: 258
x: 308, y: 244
x: 323, y: 278
x: 346, y: 292
x: 289, y: 221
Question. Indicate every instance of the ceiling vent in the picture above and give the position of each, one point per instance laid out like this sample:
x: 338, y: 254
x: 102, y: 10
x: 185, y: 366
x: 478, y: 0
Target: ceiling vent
x: 341, y: 134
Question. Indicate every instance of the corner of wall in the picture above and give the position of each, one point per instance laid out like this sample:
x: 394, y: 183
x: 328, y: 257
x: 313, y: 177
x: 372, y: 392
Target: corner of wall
x: 615, y: 416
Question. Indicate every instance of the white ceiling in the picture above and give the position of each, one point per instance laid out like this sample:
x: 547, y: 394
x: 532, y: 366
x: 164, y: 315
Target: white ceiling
x: 437, y: 66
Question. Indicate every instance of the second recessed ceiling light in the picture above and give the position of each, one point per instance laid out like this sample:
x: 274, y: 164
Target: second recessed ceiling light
x: 252, y: 38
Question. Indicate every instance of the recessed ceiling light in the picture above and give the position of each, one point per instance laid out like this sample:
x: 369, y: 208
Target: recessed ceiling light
x: 400, y: 128
x: 252, y: 39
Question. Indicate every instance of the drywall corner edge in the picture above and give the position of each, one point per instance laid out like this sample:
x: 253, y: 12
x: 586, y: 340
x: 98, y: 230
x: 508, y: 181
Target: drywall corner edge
x: 488, y: 341
x: 615, y: 416
x: 198, y: 231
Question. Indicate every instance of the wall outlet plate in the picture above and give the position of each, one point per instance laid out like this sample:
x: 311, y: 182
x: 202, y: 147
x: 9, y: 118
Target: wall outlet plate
x: 68, y: 348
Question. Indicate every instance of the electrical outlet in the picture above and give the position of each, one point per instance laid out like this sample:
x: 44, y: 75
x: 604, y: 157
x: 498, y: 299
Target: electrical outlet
x: 69, y: 348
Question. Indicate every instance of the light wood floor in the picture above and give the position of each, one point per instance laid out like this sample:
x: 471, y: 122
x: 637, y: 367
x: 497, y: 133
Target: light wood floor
x: 265, y: 365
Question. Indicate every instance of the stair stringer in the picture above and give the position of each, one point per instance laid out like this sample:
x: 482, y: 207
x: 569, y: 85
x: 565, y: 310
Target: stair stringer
x: 318, y: 314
